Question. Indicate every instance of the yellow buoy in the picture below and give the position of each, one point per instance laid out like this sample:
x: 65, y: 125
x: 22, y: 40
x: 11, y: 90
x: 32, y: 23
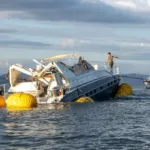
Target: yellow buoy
x: 124, y: 90
x: 21, y: 101
x: 2, y: 102
x: 84, y: 100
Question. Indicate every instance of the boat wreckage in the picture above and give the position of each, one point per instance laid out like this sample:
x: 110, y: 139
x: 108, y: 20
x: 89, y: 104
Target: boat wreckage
x: 53, y: 80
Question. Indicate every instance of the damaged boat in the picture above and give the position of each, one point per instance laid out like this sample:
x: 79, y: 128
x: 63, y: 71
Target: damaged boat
x: 54, y: 80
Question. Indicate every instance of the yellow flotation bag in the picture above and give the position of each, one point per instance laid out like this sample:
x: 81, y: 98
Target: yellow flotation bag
x: 124, y: 90
x: 21, y: 101
x: 2, y: 102
x: 84, y: 100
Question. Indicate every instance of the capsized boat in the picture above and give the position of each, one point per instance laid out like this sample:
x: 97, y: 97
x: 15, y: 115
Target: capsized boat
x: 63, y: 78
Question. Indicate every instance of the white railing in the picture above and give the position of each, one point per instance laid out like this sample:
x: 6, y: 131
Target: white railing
x: 115, y: 69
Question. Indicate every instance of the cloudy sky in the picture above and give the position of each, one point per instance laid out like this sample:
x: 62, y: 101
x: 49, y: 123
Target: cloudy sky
x: 40, y: 28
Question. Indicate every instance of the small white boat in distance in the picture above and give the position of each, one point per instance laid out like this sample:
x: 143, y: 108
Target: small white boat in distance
x: 147, y: 83
x: 55, y: 80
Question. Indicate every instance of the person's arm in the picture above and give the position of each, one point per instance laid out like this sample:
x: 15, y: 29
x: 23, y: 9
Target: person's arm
x: 115, y: 56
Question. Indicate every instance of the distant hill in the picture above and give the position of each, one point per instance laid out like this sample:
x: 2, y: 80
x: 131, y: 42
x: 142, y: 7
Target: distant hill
x: 136, y: 76
x: 135, y: 80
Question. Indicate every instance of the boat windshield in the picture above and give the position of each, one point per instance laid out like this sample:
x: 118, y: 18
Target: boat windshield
x: 69, y: 61
x: 74, y: 62
x: 77, y: 65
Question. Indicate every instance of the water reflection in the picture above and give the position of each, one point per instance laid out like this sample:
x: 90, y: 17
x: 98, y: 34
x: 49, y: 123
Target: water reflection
x: 31, y: 122
x: 56, y: 106
x: 115, y: 124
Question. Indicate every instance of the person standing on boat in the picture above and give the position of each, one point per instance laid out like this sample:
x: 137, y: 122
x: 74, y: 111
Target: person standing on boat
x: 110, y: 61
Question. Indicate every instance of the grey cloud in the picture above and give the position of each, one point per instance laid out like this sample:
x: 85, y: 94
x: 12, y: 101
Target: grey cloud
x: 72, y: 10
x: 19, y: 43
x: 7, y: 31
x: 2, y: 37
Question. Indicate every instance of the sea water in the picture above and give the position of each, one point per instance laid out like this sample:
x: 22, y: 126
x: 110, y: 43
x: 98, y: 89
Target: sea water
x: 117, y: 124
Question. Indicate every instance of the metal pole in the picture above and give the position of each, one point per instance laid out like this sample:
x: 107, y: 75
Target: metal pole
x: 4, y: 88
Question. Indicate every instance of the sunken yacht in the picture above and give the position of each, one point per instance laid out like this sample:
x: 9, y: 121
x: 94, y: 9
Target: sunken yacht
x: 64, y: 78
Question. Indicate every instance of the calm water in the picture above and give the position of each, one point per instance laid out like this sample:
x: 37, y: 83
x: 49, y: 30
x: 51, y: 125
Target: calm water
x: 122, y: 123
